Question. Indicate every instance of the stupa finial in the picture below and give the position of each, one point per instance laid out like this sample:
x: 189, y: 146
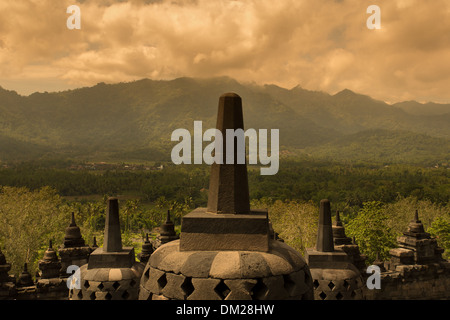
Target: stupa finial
x: 112, y: 241
x: 338, y: 219
x: 228, y: 187
x: 325, y: 235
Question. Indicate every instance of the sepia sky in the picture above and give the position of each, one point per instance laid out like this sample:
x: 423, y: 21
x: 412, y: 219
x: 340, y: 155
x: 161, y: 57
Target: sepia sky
x: 317, y: 44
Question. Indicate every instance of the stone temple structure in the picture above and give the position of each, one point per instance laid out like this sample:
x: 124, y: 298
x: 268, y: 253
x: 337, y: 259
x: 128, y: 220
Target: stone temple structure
x: 167, y: 233
x: 225, y: 251
x: 7, y: 282
x: 334, y: 275
x: 73, y: 251
x: 416, y: 269
x: 416, y: 246
x: 49, y: 285
x: 346, y: 244
x: 147, y: 250
x: 112, y: 272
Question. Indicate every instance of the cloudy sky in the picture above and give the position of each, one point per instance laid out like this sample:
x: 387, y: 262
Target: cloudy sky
x: 317, y: 44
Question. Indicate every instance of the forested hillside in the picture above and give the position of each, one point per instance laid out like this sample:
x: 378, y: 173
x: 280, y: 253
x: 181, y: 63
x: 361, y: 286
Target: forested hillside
x: 134, y: 121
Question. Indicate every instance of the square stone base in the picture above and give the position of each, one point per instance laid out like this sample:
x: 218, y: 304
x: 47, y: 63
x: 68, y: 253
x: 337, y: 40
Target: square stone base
x: 121, y: 259
x: 206, y: 231
x: 317, y: 259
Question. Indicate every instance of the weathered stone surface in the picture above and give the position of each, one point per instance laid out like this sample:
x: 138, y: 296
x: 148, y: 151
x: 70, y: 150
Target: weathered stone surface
x: 119, y: 259
x: 295, y: 283
x: 226, y: 265
x: 204, y: 289
x: 205, y: 231
x: 253, y: 265
x: 318, y: 259
x: 281, y: 259
x: 162, y: 252
x: 156, y: 282
x: 173, y: 288
x: 287, y: 253
x: 144, y: 294
x: 270, y: 288
x: 198, y: 264
x: 240, y: 289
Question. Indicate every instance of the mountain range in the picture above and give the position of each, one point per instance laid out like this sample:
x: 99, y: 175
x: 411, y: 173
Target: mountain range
x: 133, y: 121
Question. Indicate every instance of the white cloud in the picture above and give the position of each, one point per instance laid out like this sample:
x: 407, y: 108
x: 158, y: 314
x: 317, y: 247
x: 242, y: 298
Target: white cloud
x: 321, y: 45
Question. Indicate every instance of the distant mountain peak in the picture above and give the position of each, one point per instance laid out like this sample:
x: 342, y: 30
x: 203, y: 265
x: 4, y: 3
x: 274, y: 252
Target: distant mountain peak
x: 345, y: 93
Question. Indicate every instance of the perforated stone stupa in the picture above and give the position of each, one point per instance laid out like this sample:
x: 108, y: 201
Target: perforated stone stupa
x: 225, y: 251
x: 112, y: 272
x: 334, y: 275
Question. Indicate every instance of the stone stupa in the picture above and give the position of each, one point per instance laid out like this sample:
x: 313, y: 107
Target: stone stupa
x: 335, y: 277
x: 225, y: 251
x: 112, y: 272
x: 73, y: 251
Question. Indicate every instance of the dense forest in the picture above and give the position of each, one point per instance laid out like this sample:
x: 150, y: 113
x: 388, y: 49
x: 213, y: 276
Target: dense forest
x: 36, y: 199
x: 345, y: 184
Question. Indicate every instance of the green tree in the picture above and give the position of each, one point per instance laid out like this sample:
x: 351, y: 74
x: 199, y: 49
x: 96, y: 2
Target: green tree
x: 401, y: 212
x: 294, y: 221
x: 440, y: 228
x: 28, y: 220
x: 372, y: 231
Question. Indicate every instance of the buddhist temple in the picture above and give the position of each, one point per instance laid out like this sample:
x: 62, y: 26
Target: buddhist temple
x: 167, y: 233
x: 226, y: 250
x: 112, y: 272
x: 73, y: 251
x: 334, y: 275
x: 7, y: 282
x: 147, y: 250
x: 348, y: 245
x: 49, y: 285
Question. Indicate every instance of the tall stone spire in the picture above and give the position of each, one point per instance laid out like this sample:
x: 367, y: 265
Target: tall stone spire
x: 112, y: 239
x: 325, y: 235
x: 228, y: 186
x: 227, y: 223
